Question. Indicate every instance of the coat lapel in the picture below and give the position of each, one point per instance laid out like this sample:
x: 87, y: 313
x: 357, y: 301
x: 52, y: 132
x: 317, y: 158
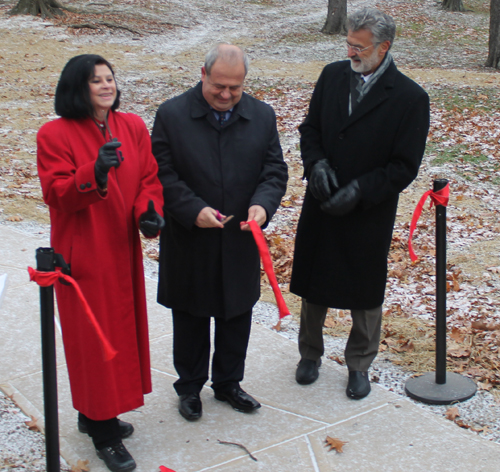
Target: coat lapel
x: 377, y: 95
x: 344, y: 90
x: 200, y: 108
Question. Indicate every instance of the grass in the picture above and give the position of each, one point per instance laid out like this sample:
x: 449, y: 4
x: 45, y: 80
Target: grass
x: 484, y: 99
x: 454, y: 153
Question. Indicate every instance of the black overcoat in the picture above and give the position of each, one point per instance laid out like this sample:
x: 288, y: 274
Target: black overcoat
x: 214, y: 272
x: 341, y: 262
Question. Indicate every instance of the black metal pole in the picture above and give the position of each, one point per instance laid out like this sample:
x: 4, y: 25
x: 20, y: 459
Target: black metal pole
x: 440, y: 387
x: 45, y: 262
x: 440, y: 286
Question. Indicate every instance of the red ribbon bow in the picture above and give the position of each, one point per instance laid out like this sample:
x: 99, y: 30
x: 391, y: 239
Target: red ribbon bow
x: 268, y: 267
x: 46, y: 279
x: 440, y: 197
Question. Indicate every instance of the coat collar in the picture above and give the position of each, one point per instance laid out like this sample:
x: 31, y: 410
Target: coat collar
x: 201, y: 108
x: 374, y: 97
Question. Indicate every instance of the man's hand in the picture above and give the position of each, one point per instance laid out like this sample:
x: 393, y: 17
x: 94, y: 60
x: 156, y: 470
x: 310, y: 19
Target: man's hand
x: 344, y: 201
x: 207, y: 218
x: 107, y: 157
x: 150, y: 222
x: 257, y: 213
x: 322, y: 180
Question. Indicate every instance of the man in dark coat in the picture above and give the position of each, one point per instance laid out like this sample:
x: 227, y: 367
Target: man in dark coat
x: 362, y: 143
x: 221, y: 165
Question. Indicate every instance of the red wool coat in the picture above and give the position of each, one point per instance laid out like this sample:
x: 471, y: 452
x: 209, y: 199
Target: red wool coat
x: 98, y: 235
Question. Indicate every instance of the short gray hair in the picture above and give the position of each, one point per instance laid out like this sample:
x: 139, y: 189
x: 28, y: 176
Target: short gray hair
x: 230, y: 55
x: 381, y: 25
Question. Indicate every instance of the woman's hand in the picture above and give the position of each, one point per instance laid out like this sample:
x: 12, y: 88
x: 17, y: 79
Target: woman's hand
x: 107, y: 157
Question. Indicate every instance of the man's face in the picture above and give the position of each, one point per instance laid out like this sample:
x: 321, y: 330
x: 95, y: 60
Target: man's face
x: 222, y: 89
x: 365, y: 62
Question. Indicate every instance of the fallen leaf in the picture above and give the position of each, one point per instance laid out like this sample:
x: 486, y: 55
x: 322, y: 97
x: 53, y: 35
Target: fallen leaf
x: 452, y: 413
x: 486, y: 385
x: 479, y: 325
x: 32, y: 424
x: 329, y: 322
x: 458, y: 353
x: 334, y: 443
x: 456, y: 335
x: 81, y: 466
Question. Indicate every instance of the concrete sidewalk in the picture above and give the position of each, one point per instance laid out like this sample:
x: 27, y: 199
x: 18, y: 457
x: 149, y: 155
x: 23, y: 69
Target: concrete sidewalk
x: 383, y: 432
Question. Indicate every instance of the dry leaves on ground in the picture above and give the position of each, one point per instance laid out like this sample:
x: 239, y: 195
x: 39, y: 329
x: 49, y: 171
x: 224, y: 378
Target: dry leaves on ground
x: 334, y: 443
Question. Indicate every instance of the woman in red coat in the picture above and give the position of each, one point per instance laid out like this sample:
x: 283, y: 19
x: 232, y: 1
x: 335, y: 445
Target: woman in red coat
x: 99, y: 180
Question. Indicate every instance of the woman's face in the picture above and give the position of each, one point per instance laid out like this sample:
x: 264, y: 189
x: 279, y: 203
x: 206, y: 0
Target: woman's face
x: 102, y: 88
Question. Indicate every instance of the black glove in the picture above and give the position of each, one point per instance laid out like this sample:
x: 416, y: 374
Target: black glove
x: 107, y: 157
x: 151, y: 222
x: 322, y: 180
x: 344, y: 201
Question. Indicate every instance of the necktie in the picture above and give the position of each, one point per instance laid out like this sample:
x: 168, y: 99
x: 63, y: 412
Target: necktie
x: 222, y: 117
x: 356, y: 91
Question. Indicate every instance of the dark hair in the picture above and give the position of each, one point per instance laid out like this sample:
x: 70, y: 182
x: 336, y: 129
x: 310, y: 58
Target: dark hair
x: 72, y: 92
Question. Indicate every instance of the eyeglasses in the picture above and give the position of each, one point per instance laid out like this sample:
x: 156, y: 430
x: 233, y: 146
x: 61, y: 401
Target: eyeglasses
x: 358, y: 50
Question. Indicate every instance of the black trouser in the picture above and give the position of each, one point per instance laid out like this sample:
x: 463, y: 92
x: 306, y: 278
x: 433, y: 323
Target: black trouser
x: 103, y: 433
x: 192, y: 351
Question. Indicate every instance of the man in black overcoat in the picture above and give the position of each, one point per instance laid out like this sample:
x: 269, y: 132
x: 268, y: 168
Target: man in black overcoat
x: 221, y: 165
x: 362, y: 143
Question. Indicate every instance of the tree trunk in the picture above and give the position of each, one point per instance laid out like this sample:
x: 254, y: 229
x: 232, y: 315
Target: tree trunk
x: 45, y: 8
x: 494, y: 42
x: 335, y: 18
x: 453, y: 5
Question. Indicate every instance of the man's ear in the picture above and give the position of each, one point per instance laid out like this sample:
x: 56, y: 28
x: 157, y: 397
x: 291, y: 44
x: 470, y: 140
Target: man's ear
x: 385, y: 46
x: 203, y: 73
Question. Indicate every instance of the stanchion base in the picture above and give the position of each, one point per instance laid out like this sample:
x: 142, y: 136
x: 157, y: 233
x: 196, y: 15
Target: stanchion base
x: 425, y: 389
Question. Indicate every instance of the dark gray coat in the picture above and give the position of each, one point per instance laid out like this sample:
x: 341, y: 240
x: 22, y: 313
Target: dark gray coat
x: 341, y: 262
x: 214, y: 272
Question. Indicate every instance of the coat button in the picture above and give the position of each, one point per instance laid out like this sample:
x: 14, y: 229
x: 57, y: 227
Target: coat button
x: 82, y: 186
x: 341, y: 136
x: 89, y: 185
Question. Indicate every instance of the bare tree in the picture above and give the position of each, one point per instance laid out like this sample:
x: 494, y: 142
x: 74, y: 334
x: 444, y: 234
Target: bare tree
x: 45, y: 8
x: 494, y: 42
x: 335, y: 18
x: 453, y: 5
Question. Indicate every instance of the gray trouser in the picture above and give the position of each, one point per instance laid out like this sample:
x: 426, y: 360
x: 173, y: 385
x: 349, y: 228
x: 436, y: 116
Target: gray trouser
x: 363, y: 342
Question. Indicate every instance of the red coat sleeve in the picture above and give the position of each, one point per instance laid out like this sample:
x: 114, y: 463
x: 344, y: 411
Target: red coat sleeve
x: 66, y: 186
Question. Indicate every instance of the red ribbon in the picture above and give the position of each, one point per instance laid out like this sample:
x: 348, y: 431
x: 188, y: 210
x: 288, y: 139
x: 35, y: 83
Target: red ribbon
x: 165, y: 469
x: 268, y: 267
x: 440, y: 197
x: 46, y: 279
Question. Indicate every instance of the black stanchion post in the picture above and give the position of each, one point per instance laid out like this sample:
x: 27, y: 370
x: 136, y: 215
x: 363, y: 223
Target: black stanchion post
x: 440, y: 286
x: 440, y: 387
x: 46, y: 263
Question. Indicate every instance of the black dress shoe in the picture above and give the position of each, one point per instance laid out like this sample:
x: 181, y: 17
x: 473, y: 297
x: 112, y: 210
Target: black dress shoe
x: 307, y: 371
x: 126, y: 429
x: 117, y: 458
x: 358, y: 386
x: 190, y: 406
x: 238, y: 399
